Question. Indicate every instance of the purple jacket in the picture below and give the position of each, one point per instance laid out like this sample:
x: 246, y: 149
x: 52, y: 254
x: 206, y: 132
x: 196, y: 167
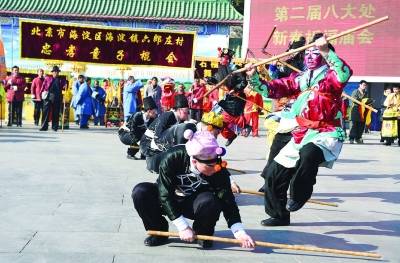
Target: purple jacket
x: 47, y: 83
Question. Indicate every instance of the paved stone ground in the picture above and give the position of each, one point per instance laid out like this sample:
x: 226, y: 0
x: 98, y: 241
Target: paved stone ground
x: 65, y: 197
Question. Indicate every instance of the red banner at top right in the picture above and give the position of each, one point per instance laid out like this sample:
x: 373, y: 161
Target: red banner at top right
x: 370, y: 52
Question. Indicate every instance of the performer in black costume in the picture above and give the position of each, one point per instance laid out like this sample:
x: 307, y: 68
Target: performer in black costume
x: 136, y: 125
x: 193, y: 183
x: 232, y: 106
x: 165, y: 132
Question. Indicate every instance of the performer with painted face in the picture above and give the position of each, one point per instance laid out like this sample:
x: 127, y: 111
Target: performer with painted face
x: 193, y: 183
x: 232, y: 106
x: 312, y: 120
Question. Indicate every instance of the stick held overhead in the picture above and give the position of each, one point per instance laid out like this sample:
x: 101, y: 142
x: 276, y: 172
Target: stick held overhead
x: 343, y: 33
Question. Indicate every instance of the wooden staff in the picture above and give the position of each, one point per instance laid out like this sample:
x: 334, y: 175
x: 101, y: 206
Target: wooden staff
x: 359, y: 102
x: 290, y: 52
x: 343, y: 94
x: 269, y: 39
x: 287, y: 53
x: 272, y: 245
x: 252, y: 103
x: 284, y: 63
x: 251, y: 192
x: 236, y: 170
x: 63, y: 115
x: 217, y: 85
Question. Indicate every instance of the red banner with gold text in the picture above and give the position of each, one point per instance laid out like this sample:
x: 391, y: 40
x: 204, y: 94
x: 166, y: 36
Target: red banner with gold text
x: 370, y: 52
x: 104, y: 45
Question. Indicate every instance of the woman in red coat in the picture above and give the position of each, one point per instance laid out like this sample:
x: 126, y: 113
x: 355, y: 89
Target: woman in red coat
x: 167, y: 94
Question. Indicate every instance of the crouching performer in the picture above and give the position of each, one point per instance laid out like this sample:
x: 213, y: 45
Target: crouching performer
x: 132, y: 131
x: 165, y: 132
x: 193, y: 183
x: 317, y: 134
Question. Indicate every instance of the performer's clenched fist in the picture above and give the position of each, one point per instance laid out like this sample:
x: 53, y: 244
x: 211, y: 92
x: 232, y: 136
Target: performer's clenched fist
x: 187, y: 235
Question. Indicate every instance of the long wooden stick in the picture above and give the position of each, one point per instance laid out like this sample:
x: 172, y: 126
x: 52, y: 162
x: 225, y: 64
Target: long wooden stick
x: 284, y: 63
x: 272, y: 245
x: 269, y: 39
x: 217, y: 85
x: 359, y: 102
x: 251, y: 192
x: 236, y: 170
x: 254, y: 104
x: 268, y: 60
x: 63, y: 115
x: 287, y: 53
x: 343, y: 94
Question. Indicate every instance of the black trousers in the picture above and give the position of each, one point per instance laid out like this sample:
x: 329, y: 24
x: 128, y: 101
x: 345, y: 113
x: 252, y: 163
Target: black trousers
x: 15, y: 112
x: 37, y: 111
x: 280, y: 141
x: 196, y: 114
x: 204, y: 208
x: 357, y: 129
x: 132, y: 150
x: 54, y: 107
x: 301, y: 179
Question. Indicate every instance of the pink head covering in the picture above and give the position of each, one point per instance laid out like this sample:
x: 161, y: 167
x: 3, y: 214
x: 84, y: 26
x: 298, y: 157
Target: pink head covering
x: 202, y: 145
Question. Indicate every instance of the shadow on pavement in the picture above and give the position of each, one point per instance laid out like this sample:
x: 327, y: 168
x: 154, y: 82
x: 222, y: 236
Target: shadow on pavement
x: 387, y: 197
x: 290, y: 237
x: 381, y: 228
x: 346, y: 177
x: 355, y: 161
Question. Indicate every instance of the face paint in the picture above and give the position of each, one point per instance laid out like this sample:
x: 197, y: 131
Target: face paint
x: 313, y: 59
x: 224, y: 60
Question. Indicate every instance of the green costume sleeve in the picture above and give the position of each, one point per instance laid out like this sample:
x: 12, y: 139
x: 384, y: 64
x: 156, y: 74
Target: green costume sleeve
x: 258, y: 86
x: 342, y: 71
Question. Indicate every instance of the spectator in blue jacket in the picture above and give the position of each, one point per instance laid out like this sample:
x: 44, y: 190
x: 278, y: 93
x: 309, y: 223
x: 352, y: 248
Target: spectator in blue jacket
x: 84, y: 103
x: 99, y: 98
x: 131, y: 87
x: 75, y: 89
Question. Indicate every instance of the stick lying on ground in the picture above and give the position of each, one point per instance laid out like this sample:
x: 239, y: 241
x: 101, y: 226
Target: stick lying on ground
x: 245, y: 191
x: 272, y: 245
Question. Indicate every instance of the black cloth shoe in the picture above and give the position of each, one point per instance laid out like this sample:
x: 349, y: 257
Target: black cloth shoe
x: 152, y: 241
x: 229, y: 141
x: 205, y: 243
x: 359, y: 141
x: 131, y: 157
x: 293, y: 206
x: 43, y: 129
x: 276, y: 221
